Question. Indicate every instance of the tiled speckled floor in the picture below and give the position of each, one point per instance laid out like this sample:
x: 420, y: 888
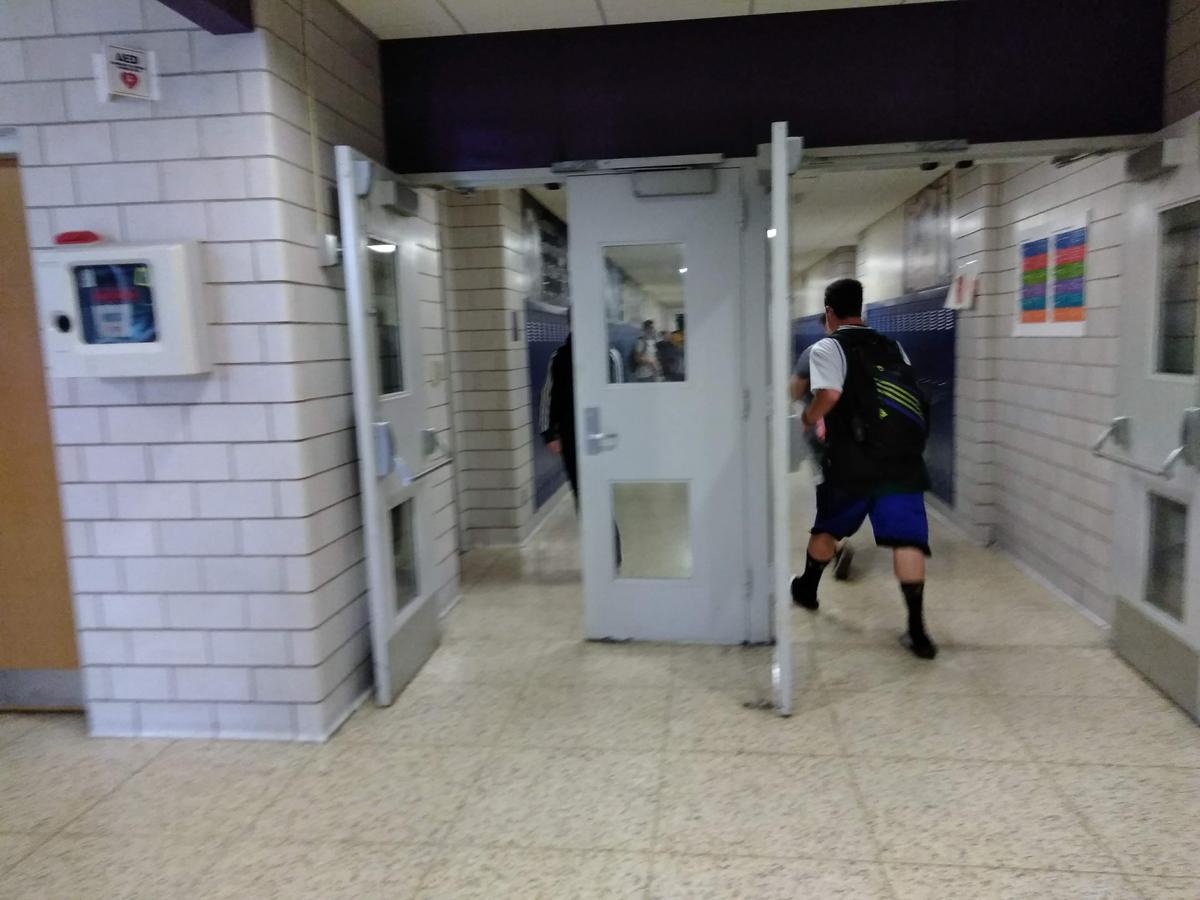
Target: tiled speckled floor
x: 1026, y: 762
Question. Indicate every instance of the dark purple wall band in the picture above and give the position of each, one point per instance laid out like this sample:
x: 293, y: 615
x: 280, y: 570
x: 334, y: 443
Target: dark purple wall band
x: 216, y: 16
x: 980, y: 70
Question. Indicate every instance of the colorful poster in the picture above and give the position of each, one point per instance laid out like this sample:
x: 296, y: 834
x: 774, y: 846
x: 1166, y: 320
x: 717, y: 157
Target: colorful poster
x: 1035, y: 280
x: 1070, y: 259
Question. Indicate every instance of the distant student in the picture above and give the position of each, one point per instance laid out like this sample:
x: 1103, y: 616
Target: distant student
x: 670, y: 358
x: 876, y: 423
x: 645, y: 355
x: 801, y: 392
x: 556, y: 417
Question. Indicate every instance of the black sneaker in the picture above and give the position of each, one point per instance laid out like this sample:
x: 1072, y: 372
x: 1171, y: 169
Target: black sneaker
x: 921, y: 646
x: 842, y: 561
x: 802, y: 598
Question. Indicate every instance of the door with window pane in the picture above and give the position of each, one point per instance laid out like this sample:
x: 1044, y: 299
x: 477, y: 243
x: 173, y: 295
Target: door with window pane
x: 1156, y: 551
x: 656, y: 269
x: 381, y: 243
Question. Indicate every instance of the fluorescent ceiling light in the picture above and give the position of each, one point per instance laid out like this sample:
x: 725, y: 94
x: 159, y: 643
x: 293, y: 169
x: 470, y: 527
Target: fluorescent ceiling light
x: 382, y: 248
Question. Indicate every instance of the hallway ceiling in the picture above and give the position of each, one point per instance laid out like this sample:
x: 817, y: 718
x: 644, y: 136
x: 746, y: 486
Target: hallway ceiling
x: 436, y: 18
x: 831, y: 209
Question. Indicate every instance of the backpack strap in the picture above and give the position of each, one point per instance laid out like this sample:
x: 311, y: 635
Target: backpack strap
x: 859, y: 387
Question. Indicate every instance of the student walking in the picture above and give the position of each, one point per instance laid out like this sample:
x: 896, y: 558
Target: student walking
x: 876, y: 425
x: 556, y: 413
x: 801, y: 392
x: 556, y: 420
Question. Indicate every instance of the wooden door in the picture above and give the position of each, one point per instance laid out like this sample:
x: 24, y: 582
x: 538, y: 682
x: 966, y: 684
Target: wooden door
x: 37, y: 629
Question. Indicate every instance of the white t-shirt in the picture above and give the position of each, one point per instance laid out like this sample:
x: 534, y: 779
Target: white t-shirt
x: 827, y: 363
x: 646, y: 355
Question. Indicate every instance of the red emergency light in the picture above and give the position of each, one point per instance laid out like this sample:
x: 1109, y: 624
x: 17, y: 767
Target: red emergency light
x: 76, y: 237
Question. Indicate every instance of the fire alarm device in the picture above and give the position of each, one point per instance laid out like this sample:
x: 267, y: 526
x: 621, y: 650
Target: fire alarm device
x: 112, y: 310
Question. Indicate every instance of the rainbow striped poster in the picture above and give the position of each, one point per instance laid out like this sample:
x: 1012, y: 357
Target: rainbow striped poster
x: 1070, y: 259
x: 1035, y: 280
x: 1051, y: 264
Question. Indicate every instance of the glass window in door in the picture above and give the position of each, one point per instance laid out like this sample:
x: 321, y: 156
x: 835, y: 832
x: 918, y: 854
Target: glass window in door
x: 404, y: 554
x: 1168, y: 555
x: 1179, y: 288
x: 652, y: 529
x: 644, y: 313
x: 385, y: 295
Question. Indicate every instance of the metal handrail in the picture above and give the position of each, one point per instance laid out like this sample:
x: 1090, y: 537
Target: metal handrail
x: 429, y: 470
x: 1118, y: 433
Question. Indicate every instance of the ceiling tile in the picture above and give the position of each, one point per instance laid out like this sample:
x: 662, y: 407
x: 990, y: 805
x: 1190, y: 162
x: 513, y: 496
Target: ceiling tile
x: 403, y: 18
x: 428, y: 18
x: 619, y: 12
x: 479, y: 16
x: 782, y: 6
x: 832, y: 209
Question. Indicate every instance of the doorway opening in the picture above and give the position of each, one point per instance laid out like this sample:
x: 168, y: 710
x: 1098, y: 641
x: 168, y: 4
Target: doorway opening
x: 910, y: 230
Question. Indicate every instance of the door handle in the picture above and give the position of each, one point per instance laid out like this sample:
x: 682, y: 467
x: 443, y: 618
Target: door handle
x: 602, y: 442
x: 1188, y: 450
x: 431, y: 443
x: 597, y: 440
x: 385, y: 449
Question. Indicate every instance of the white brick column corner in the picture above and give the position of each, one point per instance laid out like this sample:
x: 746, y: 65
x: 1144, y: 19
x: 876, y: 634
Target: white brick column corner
x: 492, y: 412
x: 213, y: 523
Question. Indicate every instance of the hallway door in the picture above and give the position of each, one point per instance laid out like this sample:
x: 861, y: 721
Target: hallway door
x: 1156, y: 551
x: 380, y: 237
x: 655, y: 275
x: 38, y: 660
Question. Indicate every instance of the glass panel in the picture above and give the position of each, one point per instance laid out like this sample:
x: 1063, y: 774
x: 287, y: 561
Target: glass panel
x: 652, y: 529
x: 404, y: 555
x: 385, y: 296
x: 1178, y: 289
x: 116, y: 303
x: 644, y: 308
x: 1168, y: 555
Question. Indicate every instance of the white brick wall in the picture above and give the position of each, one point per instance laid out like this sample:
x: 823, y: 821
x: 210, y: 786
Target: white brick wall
x: 213, y: 520
x: 808, y: 289
x: 1028, y: 407
x: 1183, y: 60
x: 492, y: 414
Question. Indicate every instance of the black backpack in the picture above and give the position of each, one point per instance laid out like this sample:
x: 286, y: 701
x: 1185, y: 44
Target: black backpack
x: 887, y: 411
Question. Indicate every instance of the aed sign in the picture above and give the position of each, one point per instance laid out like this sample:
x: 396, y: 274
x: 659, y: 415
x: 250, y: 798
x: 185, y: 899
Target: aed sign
x: 128, y: 72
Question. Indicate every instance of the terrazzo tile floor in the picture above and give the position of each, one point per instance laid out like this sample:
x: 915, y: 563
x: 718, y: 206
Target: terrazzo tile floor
x: 1027, y: 761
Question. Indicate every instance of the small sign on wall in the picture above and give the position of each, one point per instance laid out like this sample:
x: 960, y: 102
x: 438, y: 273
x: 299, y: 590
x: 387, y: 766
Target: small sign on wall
x: 965, y: 286
x: 126, y: 72
x: 928, y: 258
x: 1051, y: 269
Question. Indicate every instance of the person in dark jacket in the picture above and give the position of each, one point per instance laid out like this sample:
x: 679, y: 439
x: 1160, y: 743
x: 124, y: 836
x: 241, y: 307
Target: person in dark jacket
x: 556, y: 417
x: 556, y: 420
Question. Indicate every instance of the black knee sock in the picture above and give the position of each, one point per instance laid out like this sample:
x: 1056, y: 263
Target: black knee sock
x: 917, y: 638
x: 804, y: 588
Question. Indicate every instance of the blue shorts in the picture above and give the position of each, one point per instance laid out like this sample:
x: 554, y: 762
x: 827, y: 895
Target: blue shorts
x: 898, y: 520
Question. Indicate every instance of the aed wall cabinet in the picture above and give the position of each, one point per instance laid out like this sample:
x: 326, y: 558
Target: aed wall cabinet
x: 112, y: 310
